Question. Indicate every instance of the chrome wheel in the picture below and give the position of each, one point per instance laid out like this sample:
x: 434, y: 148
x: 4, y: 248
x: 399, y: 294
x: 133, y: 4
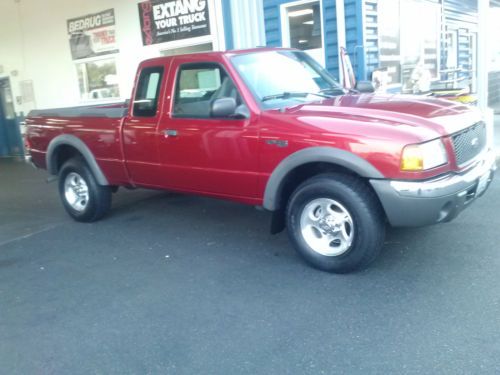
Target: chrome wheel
x: 76, y: 191
x: 327, y: 227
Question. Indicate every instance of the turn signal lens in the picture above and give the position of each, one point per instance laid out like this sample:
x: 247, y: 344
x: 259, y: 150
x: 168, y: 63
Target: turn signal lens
x: 423, y: 156
x: 412, y: 159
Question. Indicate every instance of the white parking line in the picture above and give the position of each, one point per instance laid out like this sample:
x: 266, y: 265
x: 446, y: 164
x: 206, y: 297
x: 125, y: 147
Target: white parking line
x: 29, y: 234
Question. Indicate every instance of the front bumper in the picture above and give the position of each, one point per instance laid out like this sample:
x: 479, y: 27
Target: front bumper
x: 419, y: 203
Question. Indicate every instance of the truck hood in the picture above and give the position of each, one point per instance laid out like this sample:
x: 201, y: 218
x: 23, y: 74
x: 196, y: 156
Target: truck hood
x: 426, y: 116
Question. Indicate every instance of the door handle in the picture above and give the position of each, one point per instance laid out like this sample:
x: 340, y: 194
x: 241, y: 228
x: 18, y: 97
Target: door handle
x: 170, y: 133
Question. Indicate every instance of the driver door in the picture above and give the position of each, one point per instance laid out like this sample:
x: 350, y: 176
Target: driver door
x: 198, y: 151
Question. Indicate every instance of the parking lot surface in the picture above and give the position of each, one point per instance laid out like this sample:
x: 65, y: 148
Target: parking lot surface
x: 176, y: 284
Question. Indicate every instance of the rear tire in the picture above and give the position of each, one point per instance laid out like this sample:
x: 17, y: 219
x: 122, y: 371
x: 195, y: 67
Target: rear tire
x: 336, y: 222
x: 82, y: 197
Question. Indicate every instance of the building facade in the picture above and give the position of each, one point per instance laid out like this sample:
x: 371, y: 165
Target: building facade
x: 58, y: 53
x: 438, y: 38
x: 63, y: 53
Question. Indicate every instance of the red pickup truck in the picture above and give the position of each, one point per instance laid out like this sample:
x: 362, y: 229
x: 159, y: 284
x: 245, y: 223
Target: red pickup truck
x: 272, y: 128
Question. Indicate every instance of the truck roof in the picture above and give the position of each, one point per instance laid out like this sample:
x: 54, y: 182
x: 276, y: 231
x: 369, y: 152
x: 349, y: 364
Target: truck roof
x: 228, y: 53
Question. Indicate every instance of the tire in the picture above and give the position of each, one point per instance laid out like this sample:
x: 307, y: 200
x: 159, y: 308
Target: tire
x: 82, y: 197
x: 336, y: 223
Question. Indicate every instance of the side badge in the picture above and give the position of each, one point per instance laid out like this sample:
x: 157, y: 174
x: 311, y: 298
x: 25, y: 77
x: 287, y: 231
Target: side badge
x: 277, y: 142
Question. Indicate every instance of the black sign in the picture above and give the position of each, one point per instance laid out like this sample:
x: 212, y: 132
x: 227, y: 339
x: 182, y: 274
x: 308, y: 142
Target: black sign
x: 168, y: 20
x: 92, y: 34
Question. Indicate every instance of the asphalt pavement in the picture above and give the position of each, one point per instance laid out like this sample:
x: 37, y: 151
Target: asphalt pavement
x: 174, y: 284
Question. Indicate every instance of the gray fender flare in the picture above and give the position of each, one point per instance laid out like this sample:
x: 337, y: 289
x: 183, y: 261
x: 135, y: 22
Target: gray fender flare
x: 71, y: 140
x: 331, y: 155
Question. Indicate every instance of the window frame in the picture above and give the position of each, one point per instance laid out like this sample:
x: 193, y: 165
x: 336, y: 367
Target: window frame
x: 200, y: 65
x: 285, y: 26
x: 148, y: 70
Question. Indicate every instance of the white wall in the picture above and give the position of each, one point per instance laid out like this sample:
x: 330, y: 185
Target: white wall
x: 34, y: 43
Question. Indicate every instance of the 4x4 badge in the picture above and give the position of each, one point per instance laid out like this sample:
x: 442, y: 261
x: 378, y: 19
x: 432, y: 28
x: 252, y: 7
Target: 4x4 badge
x: 277, y: 142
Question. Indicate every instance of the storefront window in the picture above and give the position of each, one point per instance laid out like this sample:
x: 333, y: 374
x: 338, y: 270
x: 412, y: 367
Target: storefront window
x: 303, y: 29
x: 389, y: 35
x: 409, y: 32
x: 494, y: 63
x: 494, y: 39
x: 98, y: 80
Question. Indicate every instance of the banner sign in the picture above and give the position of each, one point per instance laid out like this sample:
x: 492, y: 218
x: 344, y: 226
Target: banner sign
x: 92, y: 34
x: 168, y: 20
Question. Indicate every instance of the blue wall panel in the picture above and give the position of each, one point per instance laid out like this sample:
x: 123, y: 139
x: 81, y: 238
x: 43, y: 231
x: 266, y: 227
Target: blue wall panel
x: 354, y: 35
x: 330, y: 39
x: 272, y: 22
x: 228, y: 24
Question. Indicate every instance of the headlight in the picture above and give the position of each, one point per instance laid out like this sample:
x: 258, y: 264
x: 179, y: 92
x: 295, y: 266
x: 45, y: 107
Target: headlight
x: 423, y: 156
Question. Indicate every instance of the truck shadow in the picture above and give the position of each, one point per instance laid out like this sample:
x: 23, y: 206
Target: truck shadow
x: 195, y: 221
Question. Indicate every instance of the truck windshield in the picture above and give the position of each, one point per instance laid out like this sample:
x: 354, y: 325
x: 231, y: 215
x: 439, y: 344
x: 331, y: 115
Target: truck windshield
x: 285, y: 78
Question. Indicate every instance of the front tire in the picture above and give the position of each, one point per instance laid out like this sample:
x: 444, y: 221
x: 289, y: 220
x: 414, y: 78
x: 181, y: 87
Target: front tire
x: 83, y: 198
x: 336, y: 222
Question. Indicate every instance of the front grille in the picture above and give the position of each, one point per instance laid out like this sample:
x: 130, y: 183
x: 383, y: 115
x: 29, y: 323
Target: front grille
x: 469, y: 142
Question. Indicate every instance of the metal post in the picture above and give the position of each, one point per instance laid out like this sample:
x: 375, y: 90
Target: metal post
x: 483, y: 59
x: 341, y: 37
x: 483, y: 56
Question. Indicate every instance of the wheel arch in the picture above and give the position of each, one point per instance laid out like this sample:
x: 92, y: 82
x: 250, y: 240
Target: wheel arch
x: 322, y: 158
x: 65, y: 146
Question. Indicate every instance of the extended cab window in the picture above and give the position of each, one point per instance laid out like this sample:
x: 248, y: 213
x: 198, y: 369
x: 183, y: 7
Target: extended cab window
x: 198, y: 86
x: 148, y: 90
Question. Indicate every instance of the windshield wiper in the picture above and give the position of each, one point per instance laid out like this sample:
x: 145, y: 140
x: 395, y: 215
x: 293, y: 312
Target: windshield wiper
x: 340, y: 91
x: 293, y: 94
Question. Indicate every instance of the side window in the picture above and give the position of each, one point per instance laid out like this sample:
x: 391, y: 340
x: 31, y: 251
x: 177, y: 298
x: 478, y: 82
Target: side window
x: 198, y: 85
x: 148, y: 91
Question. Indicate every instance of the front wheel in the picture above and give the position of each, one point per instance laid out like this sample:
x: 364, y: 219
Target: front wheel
x: 83, y: 198
x: 336, y: 222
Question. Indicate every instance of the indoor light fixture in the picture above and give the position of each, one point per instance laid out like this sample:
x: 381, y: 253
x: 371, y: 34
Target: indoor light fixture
x: 300, y: 13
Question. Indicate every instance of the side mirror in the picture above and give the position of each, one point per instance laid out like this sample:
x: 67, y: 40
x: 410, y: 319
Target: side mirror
x: 365, y: 86
x: 223, y: 107
x: 144, y: 107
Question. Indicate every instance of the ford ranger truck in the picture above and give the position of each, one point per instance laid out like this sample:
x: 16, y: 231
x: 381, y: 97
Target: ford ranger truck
x: 272, y: 128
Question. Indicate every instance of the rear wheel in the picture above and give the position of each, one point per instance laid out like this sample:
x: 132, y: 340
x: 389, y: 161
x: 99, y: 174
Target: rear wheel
x: 336, y: 223
x: 83, y: 198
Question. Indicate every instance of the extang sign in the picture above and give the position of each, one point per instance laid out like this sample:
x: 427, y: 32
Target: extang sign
x: 165, y: 21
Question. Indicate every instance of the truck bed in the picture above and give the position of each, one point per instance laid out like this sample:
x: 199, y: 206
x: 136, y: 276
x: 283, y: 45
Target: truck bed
x: 107, y: 110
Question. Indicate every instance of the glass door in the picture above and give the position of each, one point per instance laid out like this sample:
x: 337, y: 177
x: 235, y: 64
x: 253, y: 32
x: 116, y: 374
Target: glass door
x: 10, y: 137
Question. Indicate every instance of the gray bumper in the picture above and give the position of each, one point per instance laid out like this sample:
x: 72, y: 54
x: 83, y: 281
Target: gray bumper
x: 418, y: 203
